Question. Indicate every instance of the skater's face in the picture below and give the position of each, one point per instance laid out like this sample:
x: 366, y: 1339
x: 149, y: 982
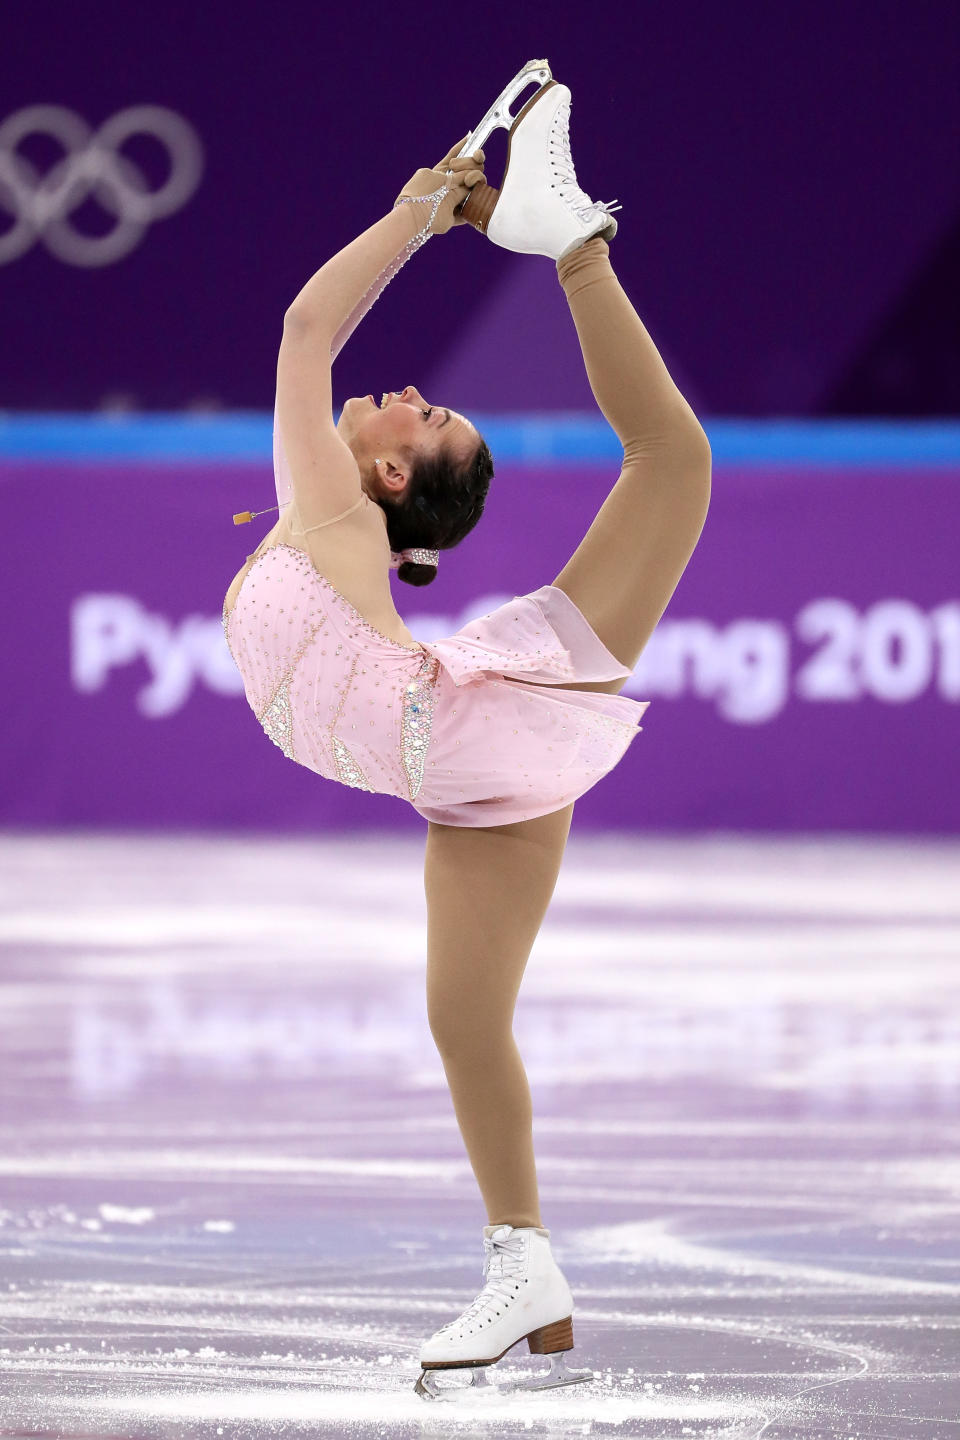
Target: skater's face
x: 398, y: 430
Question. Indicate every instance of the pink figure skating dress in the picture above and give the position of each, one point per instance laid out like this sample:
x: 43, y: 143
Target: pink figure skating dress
x: 470, y: 728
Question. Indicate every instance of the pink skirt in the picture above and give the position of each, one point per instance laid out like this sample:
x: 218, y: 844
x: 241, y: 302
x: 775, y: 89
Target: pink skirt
x: 505, y: 743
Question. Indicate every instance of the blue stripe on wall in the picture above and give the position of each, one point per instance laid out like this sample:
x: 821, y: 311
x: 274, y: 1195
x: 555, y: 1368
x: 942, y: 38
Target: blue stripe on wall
x: 545, y: 439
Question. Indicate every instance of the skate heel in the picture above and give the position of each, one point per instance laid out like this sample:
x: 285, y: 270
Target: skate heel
x: 479, y: 206
x: 551, y: 1338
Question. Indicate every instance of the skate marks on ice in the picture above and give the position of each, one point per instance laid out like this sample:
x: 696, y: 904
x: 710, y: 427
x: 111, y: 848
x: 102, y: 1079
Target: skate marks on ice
x: 354, y: 1411
x: 233, y: 1196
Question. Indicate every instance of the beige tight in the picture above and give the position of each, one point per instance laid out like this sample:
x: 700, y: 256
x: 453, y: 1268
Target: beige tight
x: 487, y: 892
x: 488, y: 889
x: 626, y: 568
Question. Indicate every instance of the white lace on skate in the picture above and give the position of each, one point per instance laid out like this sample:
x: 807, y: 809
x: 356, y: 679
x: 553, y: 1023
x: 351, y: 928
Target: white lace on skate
x: 562, y: 161
x: 502, y: 1269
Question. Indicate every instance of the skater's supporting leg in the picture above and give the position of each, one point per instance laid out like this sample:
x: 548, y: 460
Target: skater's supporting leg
x: 628, y: 564
x: 487, y: 892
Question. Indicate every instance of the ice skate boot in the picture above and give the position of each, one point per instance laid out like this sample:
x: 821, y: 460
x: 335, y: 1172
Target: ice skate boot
x: 540, y: 208
x: 525, y: 1297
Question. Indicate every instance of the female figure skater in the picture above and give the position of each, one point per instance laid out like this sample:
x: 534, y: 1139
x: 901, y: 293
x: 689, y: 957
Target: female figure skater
x: 491, y: 734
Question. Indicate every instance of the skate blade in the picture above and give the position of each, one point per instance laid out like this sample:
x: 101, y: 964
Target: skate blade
x: 558, y: 1374
x: 477, y: 1388
x: 481, y: 1388
x: 534, y: 72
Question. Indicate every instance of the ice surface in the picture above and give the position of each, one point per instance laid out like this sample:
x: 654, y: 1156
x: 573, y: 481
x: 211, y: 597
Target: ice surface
x: 234, y: 1200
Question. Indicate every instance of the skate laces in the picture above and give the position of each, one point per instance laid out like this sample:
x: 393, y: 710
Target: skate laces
x: 503, y: 1262
x: 568, y: 185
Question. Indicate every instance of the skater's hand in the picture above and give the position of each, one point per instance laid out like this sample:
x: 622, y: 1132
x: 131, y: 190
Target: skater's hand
x: 467, y: 172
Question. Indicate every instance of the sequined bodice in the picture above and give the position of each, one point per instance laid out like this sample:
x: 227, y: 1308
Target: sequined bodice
x: 332, y: 691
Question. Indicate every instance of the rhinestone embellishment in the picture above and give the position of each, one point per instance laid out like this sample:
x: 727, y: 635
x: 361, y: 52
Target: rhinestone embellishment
x: 348, y: 771
x: 422, y: 235
x: 276, y: 720
x: 275, y: 717
x: 418, y: 703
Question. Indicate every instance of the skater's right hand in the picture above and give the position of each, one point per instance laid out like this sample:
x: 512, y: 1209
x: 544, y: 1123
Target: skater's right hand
x: 466, y: 172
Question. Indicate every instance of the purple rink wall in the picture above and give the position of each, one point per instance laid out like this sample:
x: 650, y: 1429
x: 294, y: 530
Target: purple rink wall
x: 806, y: 674
x: 790, y: 235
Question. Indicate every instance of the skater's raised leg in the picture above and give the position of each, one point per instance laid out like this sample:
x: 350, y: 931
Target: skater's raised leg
x: 626, y: 568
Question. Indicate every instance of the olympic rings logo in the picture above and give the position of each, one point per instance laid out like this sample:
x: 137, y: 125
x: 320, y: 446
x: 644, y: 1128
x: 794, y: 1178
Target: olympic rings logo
x: 92, y: 165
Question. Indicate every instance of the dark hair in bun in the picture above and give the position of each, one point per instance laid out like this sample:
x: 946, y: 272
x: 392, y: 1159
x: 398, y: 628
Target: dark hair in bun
x: 416, y: 574
x: 443, y: 501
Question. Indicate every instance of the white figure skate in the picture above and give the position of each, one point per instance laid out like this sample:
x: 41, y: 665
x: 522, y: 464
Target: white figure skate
x: 540, y: 208
x: 525, y: 1297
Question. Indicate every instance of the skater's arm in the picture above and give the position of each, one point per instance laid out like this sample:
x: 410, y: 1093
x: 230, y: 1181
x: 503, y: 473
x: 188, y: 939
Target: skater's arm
x: 345, y: 287
x: 340, y: 286
x: 324, y: 473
